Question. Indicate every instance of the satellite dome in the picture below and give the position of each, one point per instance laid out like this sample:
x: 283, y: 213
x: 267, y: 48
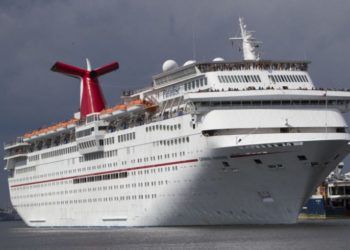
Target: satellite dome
x: 189, y: 62
x: 218, y: 59
x: 169, y: 65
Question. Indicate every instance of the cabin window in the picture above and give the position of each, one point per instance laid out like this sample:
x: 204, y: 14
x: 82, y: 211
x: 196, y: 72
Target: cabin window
x: 257, y: 161
x: 302, y: 157
x: 225, y: 163
x: 340, y: 130
x: 284, y: 130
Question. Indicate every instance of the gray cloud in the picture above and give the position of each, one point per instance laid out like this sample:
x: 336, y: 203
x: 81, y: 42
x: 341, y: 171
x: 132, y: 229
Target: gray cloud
x: 141, y: 35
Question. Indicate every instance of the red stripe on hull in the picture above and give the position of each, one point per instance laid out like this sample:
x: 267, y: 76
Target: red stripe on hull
x: 107, y: 172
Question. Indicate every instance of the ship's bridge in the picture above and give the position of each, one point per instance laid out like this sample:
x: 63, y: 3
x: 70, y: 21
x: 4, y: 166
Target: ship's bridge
x: 90, y: 133
x: 238, y: 75
x: 184, y: 72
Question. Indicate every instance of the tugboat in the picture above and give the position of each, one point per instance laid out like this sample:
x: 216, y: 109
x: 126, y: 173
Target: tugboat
x: 332, y: 198
x: 8, y: 215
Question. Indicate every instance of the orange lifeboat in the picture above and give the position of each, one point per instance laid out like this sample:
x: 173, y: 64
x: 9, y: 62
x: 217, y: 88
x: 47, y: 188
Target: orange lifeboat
x: 43, y: 131
x: 137, y: 105
x: 35, y: 133
x: 106, y: 112
x: 51, y: 129
x: 27, y: 135
x: 119, y: 109
x: 71, y: 122
x: 60, y: 126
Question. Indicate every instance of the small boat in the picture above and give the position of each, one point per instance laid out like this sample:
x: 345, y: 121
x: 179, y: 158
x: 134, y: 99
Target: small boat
x: 118, y: 109
x: 138, y: 104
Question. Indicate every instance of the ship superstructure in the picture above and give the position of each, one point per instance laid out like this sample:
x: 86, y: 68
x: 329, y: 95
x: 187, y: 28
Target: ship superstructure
x: 218, y: 142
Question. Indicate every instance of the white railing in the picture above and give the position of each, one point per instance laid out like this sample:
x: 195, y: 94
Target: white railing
x: 11, y: 143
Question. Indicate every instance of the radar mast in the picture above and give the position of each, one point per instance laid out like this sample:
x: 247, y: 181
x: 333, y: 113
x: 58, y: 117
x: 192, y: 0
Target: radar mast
x: 249, y: 43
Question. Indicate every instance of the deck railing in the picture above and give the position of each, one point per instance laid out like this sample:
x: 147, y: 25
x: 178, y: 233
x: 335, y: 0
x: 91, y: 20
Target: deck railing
x: 14, y: 142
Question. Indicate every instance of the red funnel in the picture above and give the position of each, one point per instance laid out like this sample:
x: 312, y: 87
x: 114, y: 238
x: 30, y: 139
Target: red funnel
x: 92, y: 99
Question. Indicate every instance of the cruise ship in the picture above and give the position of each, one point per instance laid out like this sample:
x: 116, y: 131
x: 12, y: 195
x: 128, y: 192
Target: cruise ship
x: 207, y: 143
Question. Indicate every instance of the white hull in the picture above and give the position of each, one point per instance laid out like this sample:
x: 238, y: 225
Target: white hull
x: 196, y: 188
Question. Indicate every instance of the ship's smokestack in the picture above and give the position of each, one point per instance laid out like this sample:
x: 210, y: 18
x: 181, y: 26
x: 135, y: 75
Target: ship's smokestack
x: 91, y: 96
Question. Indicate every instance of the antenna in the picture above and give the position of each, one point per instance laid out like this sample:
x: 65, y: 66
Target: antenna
x: 249, y: 43
x: 91, y: 96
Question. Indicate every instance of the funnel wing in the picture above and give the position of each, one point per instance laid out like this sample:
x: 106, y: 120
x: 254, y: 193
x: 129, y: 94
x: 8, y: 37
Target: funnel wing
x: 106, y: 69
x: 68, y: 70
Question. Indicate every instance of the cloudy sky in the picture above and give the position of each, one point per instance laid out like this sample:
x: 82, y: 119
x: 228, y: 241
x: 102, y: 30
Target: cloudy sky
x: 141, y: 35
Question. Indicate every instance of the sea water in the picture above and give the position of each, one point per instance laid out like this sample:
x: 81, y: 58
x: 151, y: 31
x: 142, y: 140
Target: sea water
x: 309, y: 234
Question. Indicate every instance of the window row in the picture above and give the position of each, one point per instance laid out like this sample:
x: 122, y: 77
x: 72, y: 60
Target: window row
x: 25, y: 170
x: 91, y: 189
x: 106, y: 154
x: 34, y: 158
x: 87, y: 144
x: 163, y: 127
x: 239, y: 78
x: 288, y: 78
x: 108, y: 141
x: 172, y: 141
x: 196, y: 84
x: 133, y: 173
x: 59, y: 152
x: 90, y: 200
x: 274, y: 102
x: 100, y: 177
x: 85, y: 132
x: 127, y: 137
x: 98, y: 155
